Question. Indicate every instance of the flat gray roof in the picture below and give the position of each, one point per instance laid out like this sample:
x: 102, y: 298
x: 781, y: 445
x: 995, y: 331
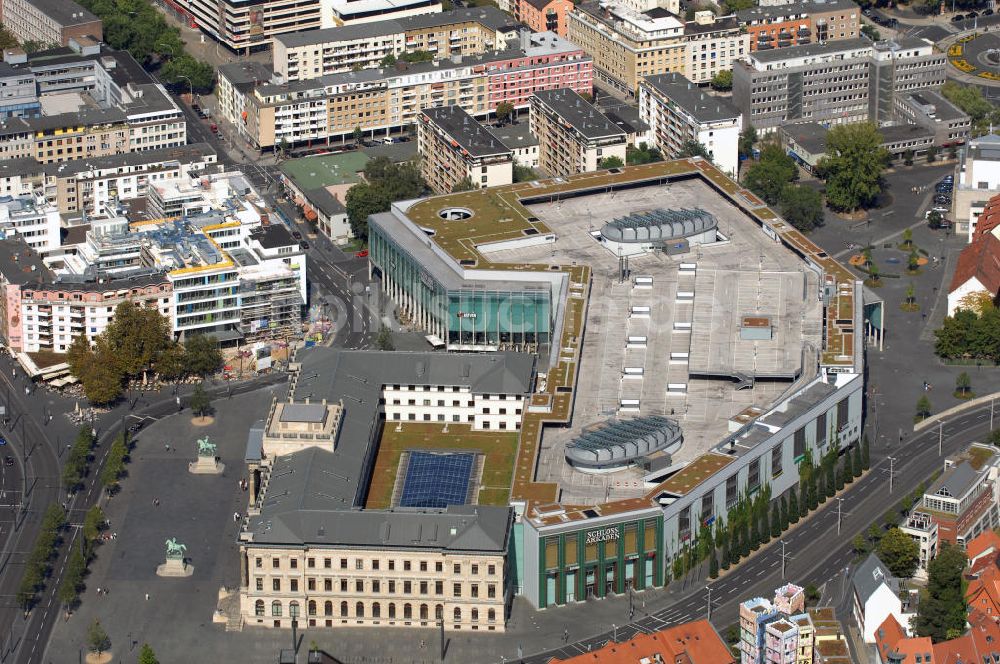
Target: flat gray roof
x: 690, y: 98
x: 583, y: 116
x: 303, y: 412
x: 244, y: 74
x: 182, y: 153
x: 806, y: 50
x: 298, y: 508
x: 64, y: 12
x: 489, y: 16
x: 515, y: 136
x: 470, y: 135
x: 943, y: 108
x: 793, y: 10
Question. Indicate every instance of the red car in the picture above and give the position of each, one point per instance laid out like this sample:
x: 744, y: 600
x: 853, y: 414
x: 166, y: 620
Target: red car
x: 361, y: 254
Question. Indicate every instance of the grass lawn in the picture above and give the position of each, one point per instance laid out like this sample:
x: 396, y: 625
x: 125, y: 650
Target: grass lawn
x: 500, y: 448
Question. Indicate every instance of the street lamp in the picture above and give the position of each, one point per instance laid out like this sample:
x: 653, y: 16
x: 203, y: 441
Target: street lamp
x: 190, y: 85
x: 170, y: 46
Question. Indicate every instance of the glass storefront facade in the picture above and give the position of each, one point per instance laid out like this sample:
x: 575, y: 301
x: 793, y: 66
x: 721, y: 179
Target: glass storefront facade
x: 473, y: 318
x: 600, y: 561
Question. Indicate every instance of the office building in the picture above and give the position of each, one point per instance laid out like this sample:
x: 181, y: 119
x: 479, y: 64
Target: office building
x: 50, y: 22
x: 850, y: 80
x: 32, y: 218
x: 304, y: 55
x: 800, y: 23
x: 326, y: 110
x: 456, y: 150
x: 678, y: 112
x: 963, y: 500
x: 977, y: 180
x: 19, y: 94
x: 573, y: 136
x: 629, y: 43
x: 418, y: 563
x: 691, y: 643
x: 930, y: 110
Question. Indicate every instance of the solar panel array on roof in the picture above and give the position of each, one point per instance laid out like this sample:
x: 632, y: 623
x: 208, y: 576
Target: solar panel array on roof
x: 437, y: 479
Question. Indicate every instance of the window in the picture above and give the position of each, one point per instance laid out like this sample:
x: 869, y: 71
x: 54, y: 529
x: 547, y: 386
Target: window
x: 458, y: 614
x: 491, y: 570
x: 776, y: 460
x: 491, y: 615
x: 260, y: 583
x: 423, y: 587
x: 707, y: 505
x: 343, y: 585
x: 753, y: 475
x: 260, y: 563
x: 407, y: 587
x: 392, y: 610
x: 423, y: 565
x: 359, y: 610
x: 376, y: 586
x: 311, y: 607
x: 376, y: 610
x: 392, y: 587
x: 799, y: 445
x: 406, y: 565
x: 327, y: 563
x: 375, y: 564
x: 458, y: 568
x: 276, y: 608
x: 474, y: 589
x: 456, y: 590
x: 275, y: 563
x: 343, y: 563
x: 328, y: 608
x: 475, y: 570
x: 276, y: 585
x: 439, y: 587
x: 438, y: 566
x: 310, y: 563
x: 295, y: 585
x: 311, y: 584
x: 359, y: 586
x: 731, y: 495
x: 258, y: 607
x: 407, y: 611
x: 343, y: 609
x: 392, y: 565
x: 423, y: 612
x: 294, y: 563
x: 328, y: 585
x: 491, y: 591
x: 359, y: 564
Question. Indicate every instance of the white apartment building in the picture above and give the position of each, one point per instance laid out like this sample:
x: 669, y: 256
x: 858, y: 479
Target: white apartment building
x: 335, y: 13
x: 976, y: 181
x: 677, y: 111
x: 305, y: 55
x: 573, y: 136
x: 456, y: 149
x: 924, y: 531
x: 34, y: 219
x: 455, y: 404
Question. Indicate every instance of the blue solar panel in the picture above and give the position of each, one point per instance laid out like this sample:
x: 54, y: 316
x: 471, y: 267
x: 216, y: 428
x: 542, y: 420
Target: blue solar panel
x: 437, y: 479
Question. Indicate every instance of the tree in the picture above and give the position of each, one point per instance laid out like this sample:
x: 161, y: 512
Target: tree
x: 389, y: 60
x: 793, y: 508
x: 994, y: 437
x: 713, y: 566
x: 923, y: 407
x: 504, y: 112
x: 524, y: 173
x: 358, y: 134
x: 802, y: 207
x: 384, y: 183
x: 97, y: 370
x: 963, y: 385
x: 871, y: 32
x: 417, y: 56
x: 943, y: 607
x: 784, y: 514
x: 202, y: 356
x: 748, y: 138
x: 908, y: 157
x: 813, y: 495
x: 899, y: 552
x: 733, y: 6
x: 847, y: 468
x: 692, y: 148
x: 934, y: 219
x: 383, y: 341
x: 804, y: 497
x: 970, y: 99
x: 200, y: 402
x: 97, y: 638
x: 776, y: 520
x: 644, y: 154
x: 860, y: 545
x: 812, y: 594
x: 830, y: 481
x: 138, y: 335
x: 865, y: 458
x: 853, y: 165
x: 171, y: 363
x: 188, y: 72
x: 931, y: 153
x: 610, y: 162
x: 856, y: 461
x: 723, y: 80
x: 147, y: 656
x: 465, y: 184
x: 773, y: 171
x: 7, y: 39
x: 93, y: 523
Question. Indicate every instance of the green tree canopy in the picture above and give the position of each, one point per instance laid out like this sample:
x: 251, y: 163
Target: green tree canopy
x: 611, y: 162
x: 202, y: 356
x: 97, y: 638
x: 692, y: 148
x: 185, y: 72
x: 385, y: 182
x: 465, y: 184
x: 171, y: 364
x: 942, y: 608
x: 644, y: 154
x: 504, y: 112
x: 899, y: 552
x: 748, y: 138
x: 801, y: 206
x: 200, y: 402
x: 723, y: 80
x: 970, y: 99
x: 853, y: 165
x: 771, y: 174
x: 147, y: 656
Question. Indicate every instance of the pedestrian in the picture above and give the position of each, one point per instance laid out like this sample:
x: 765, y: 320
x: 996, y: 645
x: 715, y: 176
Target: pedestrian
x: 98, y: 591
x: 167, y: 446
x: 565, y: 636
x: 114, y: 536
x: 147, y: 597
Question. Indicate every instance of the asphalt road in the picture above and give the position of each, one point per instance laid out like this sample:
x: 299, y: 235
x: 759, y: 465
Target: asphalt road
x: 815, y: 553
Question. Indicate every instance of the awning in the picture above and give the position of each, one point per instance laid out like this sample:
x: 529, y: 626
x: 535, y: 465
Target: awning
x: 311, y: 214
x: 435, y: 341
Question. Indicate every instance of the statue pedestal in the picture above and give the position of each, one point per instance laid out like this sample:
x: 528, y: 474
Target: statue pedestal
x: 206, y: 466
x: 175, y: 567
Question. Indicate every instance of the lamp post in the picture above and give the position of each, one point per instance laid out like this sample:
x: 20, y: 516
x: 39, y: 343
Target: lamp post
x: 190, y: 86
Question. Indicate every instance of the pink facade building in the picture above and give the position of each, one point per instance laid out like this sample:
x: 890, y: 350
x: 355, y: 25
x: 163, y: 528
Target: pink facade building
x: 549, y: 63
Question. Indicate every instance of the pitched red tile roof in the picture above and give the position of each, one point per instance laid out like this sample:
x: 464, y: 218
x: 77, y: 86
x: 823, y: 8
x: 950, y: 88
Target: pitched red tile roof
x: 989, y: 219
x: 981, y: 259
x: 983, y: 638
x: 694, y: 642
x: 888, y: 635
x: 986, y: 542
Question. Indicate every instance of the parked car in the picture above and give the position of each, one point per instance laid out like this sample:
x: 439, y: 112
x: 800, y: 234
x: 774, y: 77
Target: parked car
x: 303, y: 245
x: 3, y: 441
x: 214, y: 127
x: 944, y: 188
x: 972, y: 15
x: 297, y: 235
x: 956, y: 18
x: 361, y: 254
x: 987, y: 12
x: 8, y: 461
x: 943, y: 199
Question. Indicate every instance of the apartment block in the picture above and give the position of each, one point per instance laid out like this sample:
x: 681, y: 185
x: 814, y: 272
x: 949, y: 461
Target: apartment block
x: 329, y: 108
x: 852, y: 80
x: 800, y: 23
x: 778, y: 632
x: 50, y: 22
x: 544, y: 15
x: 977, y: 180
x: 456, y: 150
x: 629, y: 42
x: 963, y: 500
x: 677, y: 111
x: 573, y: 136
x: 18, y: 94
x: 92, y: 102
x: 924, y: 531
x: 306, y: 55
x: 32, y: 218
x: 335, y: 13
